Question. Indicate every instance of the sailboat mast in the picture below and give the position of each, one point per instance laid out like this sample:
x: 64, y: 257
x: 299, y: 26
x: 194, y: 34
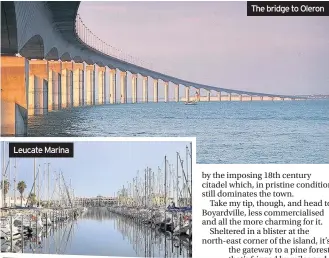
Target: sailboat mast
x: 177, y: 182
x: 159, y: 192
x: 165, y: 188
x: 165, y: 181
x: 67, y: 192
x: 153, y: 189
x: 74, y: 203
x: 34, y: 177
x: 15, y: 182
x: 70, y: 192
x: 48, y: 195
x: 191, y: 171
x: 187, y: 171
x: 44, y: 181
x: 3, y: 159
x: 145, y: 189
x: 39, y: 184
x: 134, y: 194
x: 59, y: 186
x: 9, y: 172
x: 149, y: 187
x: 3, y: 174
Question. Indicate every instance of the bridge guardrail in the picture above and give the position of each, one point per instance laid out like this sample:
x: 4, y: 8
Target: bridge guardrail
x: 93, y: 41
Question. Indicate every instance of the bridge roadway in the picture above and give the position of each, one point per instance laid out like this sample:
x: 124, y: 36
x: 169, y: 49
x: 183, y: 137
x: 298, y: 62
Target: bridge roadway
x: 50, y: 61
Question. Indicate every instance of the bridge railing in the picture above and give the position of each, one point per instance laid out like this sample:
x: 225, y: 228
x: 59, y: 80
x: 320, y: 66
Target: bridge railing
x: 94, y: 42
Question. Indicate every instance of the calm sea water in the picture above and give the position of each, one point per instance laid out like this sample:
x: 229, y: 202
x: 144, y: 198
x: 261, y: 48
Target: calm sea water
x: 100, y: 232
x: 226, y: 132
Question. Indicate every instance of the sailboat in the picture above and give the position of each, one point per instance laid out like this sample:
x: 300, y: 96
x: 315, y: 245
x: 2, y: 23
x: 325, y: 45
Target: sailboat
x: 196, y: 99
x: 194, y: 102
x: 8, y: 232
x: 184, y: 226
x: 13, y: 246
x: 46, y: 221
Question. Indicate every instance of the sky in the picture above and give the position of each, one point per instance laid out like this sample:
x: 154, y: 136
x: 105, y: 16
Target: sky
x: 215, y: 43
x: 99, y: 168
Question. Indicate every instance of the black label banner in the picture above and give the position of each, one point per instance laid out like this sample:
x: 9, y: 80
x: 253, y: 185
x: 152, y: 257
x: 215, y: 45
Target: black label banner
x: 41, y: 149
x: 287, y: 8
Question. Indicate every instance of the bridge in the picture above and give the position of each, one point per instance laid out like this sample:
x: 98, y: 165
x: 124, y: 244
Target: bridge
x: 51, y: 61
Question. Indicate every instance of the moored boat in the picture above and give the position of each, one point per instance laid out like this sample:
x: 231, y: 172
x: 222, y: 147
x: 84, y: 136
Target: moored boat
x: 191, y: 102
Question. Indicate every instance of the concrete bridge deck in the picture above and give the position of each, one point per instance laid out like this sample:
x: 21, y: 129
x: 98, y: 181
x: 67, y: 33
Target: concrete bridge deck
x: 62, y: 64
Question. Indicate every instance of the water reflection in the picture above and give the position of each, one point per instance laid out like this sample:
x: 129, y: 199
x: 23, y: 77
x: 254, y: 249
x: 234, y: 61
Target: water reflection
x: 54, y: 240
x: 146, y: 241
x: 100, y: 232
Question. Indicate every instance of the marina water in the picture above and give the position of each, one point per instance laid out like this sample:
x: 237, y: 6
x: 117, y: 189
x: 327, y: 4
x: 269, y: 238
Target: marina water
x: 227, y: 132
x: 100, y: 232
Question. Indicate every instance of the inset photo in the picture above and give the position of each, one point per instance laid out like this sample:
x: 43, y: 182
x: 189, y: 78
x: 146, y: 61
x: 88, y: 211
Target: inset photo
x: 118, y: 197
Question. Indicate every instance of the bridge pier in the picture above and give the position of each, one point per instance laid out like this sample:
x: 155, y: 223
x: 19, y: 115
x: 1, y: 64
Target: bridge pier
x: 37, y: 99
x: 95, y: 84
x: 113, y: 87
x: 101, y: 85
x: 78, y: 84
x: 54, y: 85
x: 38, y: 88
x: 70, y: 88
x: 208, y: 95
x: 145, y: 89
x: 67, y: 84
x: 134, y: 88
x: 106, y: 95
x: 261, y: 98
x: 230, y: 97
x: 89, y: 85
x: 197, y: 94
x: 240, y: 97
x: 187, y: 93
x: 14, y: 86
x: 123, y: 87
x: 84, y: 85
x: 219, y: 96
x: 166, y: 91
x: 106, y: 92
x: 155, y: 90
x: 177, y: 93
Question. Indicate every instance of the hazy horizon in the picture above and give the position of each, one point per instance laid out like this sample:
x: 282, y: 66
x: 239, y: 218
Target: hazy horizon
x: 215, y: 43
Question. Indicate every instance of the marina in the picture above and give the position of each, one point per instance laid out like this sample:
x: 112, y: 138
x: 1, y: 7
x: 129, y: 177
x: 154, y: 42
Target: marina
x: 104, y: 229
x: 148, y: 216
